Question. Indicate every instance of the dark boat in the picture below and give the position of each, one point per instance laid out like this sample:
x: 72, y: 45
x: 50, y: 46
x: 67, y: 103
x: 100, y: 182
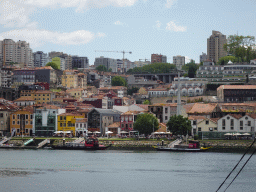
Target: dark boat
x: 91, y: 143
x: 193, y: 146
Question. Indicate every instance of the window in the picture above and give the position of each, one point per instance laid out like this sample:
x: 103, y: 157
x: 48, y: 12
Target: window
x: 31, y: 116
x: 232, y: 122
x: 166, y: 110
x: 18, y: 116
x: 210, y: 129
x: 60, y: 124
x: 31, y: 122
x: 18, y: 122
x: 249, y: 123
x: 26, y: 116
x: 26, y: 130
x: 223, y: 122
x: 26, y: 122
x: 64, y: 118
x: 1, y: 114
x: 130, y: 125
x: 241, y: 123
x: 241, y: 128
x: 60, y: 117
x: 223, y: 128
x: 13, y: 122
x: 207, y: 122
x: 13, y: 116
x: 199, y: 129
x: 18, y: 130
x: 215, y: 129
x: 166, y: 117
x: 194, y: 122
x: 122, y: 125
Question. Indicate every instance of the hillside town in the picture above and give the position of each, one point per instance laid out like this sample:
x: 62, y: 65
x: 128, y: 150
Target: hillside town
x: 51, y: 94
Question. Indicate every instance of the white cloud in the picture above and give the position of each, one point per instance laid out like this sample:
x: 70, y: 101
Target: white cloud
x: 171, y: 26
x: 170, y: 3
x: 37, y: 38
x: 118, y: 23
x: 16, y: 13
x: 158, y: 24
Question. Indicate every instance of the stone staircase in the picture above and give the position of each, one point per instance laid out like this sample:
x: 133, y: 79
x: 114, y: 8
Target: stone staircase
x: 5, y: 140
x: 176, y: 142
x: 44, y: 142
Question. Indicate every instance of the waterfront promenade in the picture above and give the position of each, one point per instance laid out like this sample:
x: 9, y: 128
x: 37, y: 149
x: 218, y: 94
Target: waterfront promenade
x: 127, y: 143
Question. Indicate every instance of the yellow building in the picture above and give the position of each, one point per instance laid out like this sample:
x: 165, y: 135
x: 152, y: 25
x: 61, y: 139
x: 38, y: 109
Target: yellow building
x: 66, y: 122
x: 43, y: 96
x: 22, y: 122
x: 69, y: 79
x: 76, y: 92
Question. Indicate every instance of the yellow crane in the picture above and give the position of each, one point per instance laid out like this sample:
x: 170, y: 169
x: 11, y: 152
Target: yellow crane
x: 118, y: 52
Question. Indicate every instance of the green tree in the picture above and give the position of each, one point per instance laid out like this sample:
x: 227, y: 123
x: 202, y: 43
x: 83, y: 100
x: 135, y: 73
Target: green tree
x: 146, y: 102
x: 241, y: 47
x: 53, y: 65
x: 118, y: 81
x: 191, y: 68
x: 226, y: 59
x: 179, y: 125
x: 101, y: 68
x: 153, y: 68
x: 132, y: 90
x: 146, y: 123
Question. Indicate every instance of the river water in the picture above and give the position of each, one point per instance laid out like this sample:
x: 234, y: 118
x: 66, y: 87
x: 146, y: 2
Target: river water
x: 120, y: 171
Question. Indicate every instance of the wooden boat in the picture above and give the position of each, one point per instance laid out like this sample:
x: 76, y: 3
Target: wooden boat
x: 193, y: 146
x: 91, y: 143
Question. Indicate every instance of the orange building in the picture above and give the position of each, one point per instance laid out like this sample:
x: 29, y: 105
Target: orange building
x: 21, y: 122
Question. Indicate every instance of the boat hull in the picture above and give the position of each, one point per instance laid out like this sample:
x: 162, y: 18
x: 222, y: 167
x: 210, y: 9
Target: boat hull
x: 80, y: 147
x: 180, y: 149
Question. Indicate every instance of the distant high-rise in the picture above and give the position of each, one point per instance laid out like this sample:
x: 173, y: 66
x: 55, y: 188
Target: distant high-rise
x: 40, y: 59
x: 15, y: 52
x: 107, y: 62
x: 179, y: 60
x: 80, y: 62
x: 155, y: 58
x: 203, y: 57
x: 215, y: 44
x: 67, y: 58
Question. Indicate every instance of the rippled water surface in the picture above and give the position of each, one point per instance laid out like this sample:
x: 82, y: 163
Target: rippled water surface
x: 53, y: 170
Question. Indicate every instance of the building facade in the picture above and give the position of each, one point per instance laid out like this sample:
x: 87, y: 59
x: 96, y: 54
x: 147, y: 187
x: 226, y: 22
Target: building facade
x: 179, y: 60
x: 215, y: 44
x: 155, y: 58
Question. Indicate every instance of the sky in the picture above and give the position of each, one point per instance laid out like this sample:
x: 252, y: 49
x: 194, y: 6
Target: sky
x: 143, y: 27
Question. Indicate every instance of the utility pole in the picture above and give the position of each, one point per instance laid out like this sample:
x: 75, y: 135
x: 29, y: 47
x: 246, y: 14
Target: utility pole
x: 178, y: 96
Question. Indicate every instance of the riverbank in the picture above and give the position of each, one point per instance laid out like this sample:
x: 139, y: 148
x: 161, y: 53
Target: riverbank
x: 131, y: 144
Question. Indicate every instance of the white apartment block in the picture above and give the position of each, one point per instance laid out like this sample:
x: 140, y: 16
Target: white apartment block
x: 19, y: 52
x: 179, y: 60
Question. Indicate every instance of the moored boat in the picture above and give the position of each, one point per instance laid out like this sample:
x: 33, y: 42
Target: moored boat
x: 91, y: 143
x: 193, y: 146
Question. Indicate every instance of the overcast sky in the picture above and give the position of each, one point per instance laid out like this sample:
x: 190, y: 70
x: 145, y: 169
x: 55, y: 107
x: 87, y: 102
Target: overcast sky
x: 168, y: 27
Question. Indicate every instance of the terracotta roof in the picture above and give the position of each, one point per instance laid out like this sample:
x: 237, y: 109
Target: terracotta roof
x: 143, y: 106
x: 25, y: 98
x: 164, y: 104
x: 215, y: 120
x: 252, y: 115
x: 237, y: 116
x: 237, y: 87
x: 203, y: 108
x: 114, y: 125
x: 84, y: 120
x: 49, y: 107
x: 70, y: 114
x: 193, y: 117
x: 188, y: 107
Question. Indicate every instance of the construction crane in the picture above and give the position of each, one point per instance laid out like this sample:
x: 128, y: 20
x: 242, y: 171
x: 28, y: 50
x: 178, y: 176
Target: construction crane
x: 144, y: 59
x: 118, y: 52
